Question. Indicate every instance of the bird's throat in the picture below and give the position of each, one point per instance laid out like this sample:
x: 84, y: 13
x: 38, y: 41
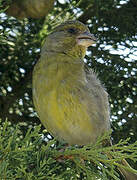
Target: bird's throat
x: 77, y: 51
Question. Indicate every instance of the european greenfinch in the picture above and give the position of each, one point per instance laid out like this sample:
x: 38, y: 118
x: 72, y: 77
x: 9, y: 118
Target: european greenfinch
x: 70, y: 101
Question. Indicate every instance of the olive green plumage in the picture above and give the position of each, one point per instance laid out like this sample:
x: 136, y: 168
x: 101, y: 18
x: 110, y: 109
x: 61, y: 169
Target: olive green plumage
x: 71, y: 103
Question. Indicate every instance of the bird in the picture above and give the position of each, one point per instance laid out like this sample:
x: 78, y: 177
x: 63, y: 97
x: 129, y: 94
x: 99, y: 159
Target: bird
x: 70, y: 100
x: 71, y: 103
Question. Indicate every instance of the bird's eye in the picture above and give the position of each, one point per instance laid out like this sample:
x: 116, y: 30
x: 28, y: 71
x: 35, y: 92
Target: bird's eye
x: 72, y: 30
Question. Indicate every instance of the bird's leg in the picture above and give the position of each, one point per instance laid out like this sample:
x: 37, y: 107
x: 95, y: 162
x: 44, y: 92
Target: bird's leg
x: 61, y: 158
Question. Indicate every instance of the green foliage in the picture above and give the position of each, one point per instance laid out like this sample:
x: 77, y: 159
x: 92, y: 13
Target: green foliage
x: 32, y: 157
x: 4, y: 4
x: 113, y: 58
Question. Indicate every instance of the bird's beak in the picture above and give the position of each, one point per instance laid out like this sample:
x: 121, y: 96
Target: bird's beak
x: 86, y: 39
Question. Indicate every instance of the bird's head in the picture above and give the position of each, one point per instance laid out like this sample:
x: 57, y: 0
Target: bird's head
x: 71, y: 38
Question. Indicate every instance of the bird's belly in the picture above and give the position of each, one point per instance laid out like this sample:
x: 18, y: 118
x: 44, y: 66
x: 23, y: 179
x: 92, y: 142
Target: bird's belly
x: 66, y: 116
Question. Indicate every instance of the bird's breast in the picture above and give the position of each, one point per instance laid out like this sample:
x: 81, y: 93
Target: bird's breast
x: 66, y: 107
